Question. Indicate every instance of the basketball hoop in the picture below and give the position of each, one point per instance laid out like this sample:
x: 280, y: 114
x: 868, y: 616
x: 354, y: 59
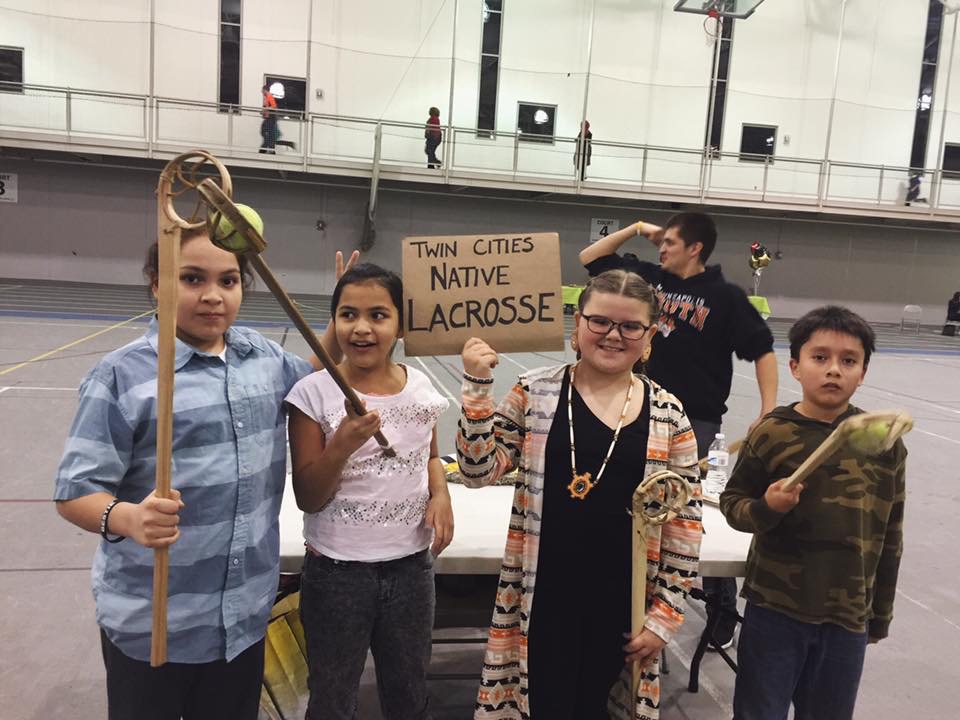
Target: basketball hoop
x: 733, y: 9
x: 712, y: 25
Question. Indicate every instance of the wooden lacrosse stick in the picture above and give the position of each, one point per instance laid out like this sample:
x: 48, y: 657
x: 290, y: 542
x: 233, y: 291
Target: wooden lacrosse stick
x: 221, y: 205
x: 671, y: 493
x: 868, y: 433
x: 173, y: 183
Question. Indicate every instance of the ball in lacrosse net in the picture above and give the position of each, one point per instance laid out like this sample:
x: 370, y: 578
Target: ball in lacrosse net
x: 870, y: 439
x: 225, y: 234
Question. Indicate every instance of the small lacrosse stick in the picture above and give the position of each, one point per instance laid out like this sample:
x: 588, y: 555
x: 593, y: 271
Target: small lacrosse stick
x: 177, y: 177
x: 867, y: 434
x: 221, y: 205
x: 669, y: 494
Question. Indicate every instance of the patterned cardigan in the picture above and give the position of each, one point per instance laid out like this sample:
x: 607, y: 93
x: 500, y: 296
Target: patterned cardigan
x: 492, y: 443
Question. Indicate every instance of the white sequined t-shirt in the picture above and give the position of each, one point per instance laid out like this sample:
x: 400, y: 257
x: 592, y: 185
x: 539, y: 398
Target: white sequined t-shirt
x: 378, y: 512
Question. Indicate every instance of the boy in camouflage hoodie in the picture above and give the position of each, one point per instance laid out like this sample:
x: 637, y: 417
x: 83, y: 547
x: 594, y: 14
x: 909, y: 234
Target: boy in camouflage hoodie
x: 822, y: 569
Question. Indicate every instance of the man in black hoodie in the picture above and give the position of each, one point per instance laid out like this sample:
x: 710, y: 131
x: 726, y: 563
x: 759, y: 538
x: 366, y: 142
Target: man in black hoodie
x: 703, y: 321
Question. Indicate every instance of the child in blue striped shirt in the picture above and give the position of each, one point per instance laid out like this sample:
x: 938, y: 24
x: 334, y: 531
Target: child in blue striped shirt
x: 222, y: 521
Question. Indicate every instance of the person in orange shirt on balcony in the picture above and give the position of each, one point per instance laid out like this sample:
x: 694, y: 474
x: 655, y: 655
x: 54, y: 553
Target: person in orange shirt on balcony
x: 268, y: 128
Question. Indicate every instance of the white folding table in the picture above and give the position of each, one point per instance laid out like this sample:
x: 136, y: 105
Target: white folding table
x: 481, y: 517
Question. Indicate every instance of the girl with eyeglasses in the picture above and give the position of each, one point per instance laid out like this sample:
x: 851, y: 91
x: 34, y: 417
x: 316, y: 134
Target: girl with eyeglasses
x: 583, y: 437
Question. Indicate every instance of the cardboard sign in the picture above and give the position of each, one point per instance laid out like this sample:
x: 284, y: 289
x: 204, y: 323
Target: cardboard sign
x: 503, y: 288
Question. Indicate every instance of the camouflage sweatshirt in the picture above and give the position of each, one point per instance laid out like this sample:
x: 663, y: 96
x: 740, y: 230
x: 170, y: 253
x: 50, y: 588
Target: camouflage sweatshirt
x: 835, y: 556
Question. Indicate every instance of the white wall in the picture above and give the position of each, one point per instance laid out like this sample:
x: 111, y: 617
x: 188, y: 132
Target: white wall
x: 650, y: 75
x: 274, y: 42
x: 382, y: 59
x: 542, y: 60
x: 879, y: 77
x: 949, y: 98
x: 64, y: 46
x: 651, y: 72
x: 66, y: 42
x: 187, y: 49
x: 782, y: 74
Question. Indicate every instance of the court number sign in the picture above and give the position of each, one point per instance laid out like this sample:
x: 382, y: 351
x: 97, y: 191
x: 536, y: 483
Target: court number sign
x: 8, y: 187
x: 601, y: 227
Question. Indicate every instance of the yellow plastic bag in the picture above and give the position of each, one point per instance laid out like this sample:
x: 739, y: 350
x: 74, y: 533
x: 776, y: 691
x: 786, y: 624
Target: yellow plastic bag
x: 284, y: 693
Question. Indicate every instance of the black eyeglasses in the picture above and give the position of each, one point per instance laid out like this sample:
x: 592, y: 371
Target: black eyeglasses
x: 629, y: 329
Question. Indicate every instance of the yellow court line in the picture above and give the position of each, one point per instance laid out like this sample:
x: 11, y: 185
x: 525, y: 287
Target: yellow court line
x: 76, y: 342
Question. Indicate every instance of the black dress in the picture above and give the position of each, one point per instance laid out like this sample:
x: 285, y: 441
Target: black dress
x: 581, y: 605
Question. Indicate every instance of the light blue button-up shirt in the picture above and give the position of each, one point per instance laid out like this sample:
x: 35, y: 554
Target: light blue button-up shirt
x: 229, y: 463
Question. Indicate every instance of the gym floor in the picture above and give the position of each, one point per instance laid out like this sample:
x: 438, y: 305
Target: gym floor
x: 51, y: 666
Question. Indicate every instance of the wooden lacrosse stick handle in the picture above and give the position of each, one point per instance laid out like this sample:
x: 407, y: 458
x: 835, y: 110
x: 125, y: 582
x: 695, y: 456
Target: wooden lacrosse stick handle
x: 220, y: 202
x: 818, y: 457
x: 675, y: 497
x: 168, y: 267
x: 900, y: 424
x: 293, y: 312
x: 169, y: 229
x: 638, y: 594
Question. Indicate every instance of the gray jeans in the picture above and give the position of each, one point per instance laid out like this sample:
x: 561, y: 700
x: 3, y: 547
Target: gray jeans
x: 348, y: 607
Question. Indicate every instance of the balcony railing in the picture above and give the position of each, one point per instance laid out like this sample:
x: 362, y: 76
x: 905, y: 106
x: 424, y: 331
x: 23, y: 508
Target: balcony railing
x: 43, y: 115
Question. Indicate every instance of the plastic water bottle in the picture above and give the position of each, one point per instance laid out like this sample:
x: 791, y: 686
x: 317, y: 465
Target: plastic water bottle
x: 718, y: 460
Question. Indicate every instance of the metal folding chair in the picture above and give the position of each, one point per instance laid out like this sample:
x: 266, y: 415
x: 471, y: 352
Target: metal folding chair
x: 911, y: 313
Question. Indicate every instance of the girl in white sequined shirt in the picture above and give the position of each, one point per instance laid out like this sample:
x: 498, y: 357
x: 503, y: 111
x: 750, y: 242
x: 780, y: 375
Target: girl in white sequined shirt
x: 368, y: 519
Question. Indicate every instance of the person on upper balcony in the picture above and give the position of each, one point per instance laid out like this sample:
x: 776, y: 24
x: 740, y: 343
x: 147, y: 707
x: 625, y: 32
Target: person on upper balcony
x: 433, y: 136
x: 583, y: 150
x: 268, y: 127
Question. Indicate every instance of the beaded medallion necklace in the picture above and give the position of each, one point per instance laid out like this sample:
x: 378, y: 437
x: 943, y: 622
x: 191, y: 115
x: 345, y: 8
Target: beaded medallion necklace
x: 581, y: 484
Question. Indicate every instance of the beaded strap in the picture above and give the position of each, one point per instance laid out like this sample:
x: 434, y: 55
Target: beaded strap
x: 104, y: 523
x: 479, y: 381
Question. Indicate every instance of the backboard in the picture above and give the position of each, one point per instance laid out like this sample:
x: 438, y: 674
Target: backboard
x: 739, y: 9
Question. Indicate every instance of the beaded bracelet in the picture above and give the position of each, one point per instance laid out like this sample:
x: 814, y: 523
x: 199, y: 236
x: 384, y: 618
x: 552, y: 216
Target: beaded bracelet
x: 104, y: 527
x: 478, y: 381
